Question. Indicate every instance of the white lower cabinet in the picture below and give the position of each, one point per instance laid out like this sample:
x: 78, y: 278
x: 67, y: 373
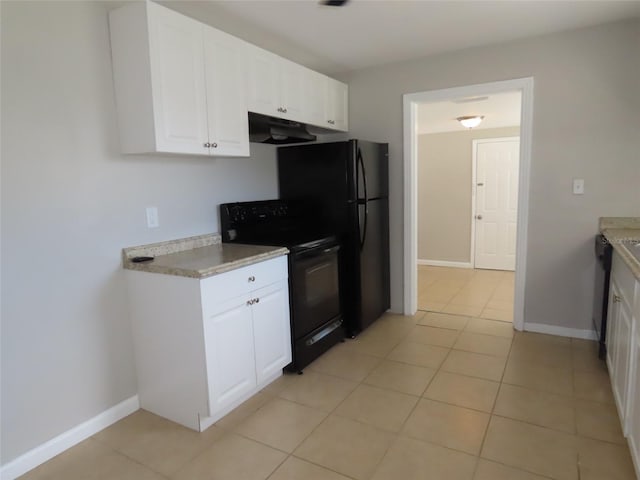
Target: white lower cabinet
x: 272, y: 348
x: 202, y: 347
x: 633, y: 420
x: 623, y: 351
x: 621, y: 341
x: 228, y: 339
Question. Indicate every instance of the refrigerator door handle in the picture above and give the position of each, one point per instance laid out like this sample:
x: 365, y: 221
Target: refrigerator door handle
x: 366, y: 198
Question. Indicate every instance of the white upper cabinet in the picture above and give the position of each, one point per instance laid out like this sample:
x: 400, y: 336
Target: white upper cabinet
x: 226, y: 99
x: 184, y: 87
x: 262, y: 81
x: 336, y: 108
x: 280, y: 88
x: 314, y: 99
x: 175, y: 80
x: 275, y: 86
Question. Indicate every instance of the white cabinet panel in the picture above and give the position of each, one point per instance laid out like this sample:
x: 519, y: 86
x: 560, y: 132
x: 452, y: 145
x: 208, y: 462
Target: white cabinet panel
x: 262, y: 81
x: 178, y: 86
x: 633, y: 421
x: 336, y: 105
x: 228, y: 132
x: 271, y: 330
x: 275, y: 85
x: 292, y: 78
x: 314, y: 98
x: 622, y: 353
x: 228, y: 338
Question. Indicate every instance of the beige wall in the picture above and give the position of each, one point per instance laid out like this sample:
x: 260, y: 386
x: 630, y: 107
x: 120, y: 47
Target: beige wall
x: 444, y: 192
x: 585, y: 125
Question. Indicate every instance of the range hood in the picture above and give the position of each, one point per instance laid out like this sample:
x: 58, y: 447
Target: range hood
x: 277, y: 131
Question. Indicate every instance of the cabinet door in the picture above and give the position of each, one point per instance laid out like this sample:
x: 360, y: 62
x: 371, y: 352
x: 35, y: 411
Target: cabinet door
x: 262, y: 80
x: 178, y: 82
x: 612, y: 327
x: 336, y: 105
x: 230, y: 356
x: 633, y: 422
x: 292, y: 79
x: 622, y: 359
x: 226, y: 100
x: 272, y: 331
x: 314, y: 104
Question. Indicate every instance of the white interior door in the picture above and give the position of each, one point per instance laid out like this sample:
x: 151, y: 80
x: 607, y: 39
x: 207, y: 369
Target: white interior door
x: 496, y: 202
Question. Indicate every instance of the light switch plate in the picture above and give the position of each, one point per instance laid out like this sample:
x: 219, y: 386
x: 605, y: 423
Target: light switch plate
x: 152, y: 217
x: 578, y: 186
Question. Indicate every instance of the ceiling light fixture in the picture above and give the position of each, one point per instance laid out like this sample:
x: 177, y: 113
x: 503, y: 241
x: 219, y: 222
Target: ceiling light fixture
x: 470, y: 121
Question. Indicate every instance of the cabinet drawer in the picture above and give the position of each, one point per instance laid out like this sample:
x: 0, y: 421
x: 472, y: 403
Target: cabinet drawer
x: 241, y: 281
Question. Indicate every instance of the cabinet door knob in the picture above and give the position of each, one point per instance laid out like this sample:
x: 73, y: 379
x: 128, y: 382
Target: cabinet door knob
x: 479, y: 217
x: 214, y: 145
x: 284, y: 110
x: 332, y: 122
x: 252, y: 278
x: 207, y: 145
x: 617, y: 298
x: 249, y: 302
x: 257, y: 300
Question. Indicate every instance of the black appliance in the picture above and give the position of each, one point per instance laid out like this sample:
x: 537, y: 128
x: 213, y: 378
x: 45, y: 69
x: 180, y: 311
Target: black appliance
x: 314, y: 290
x: 604, y: 255
x: 347, y: 183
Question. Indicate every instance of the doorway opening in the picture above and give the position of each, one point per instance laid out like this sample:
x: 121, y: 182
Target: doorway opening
x: 499, y: 243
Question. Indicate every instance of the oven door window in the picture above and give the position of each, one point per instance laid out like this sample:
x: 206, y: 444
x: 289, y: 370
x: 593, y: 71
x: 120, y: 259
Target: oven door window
x: 315, y: 290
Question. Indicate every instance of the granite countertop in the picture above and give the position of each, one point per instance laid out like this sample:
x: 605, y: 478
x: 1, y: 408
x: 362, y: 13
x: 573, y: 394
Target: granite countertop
x: 197, y: 257
x: 622, y: 233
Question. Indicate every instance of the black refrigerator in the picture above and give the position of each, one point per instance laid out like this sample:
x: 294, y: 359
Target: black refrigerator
x: 346, y: 186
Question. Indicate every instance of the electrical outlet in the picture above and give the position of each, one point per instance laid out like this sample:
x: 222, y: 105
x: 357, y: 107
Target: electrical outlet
x: 152, y: 217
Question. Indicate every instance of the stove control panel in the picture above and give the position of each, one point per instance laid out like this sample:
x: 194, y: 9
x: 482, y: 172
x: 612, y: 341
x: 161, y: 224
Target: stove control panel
x: 242, y: 218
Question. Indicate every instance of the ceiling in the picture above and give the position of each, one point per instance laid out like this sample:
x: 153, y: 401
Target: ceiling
x: 499, y: 110
x: 366, y: 33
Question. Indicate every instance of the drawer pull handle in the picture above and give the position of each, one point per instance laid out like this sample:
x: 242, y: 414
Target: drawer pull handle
x: 252, y: 279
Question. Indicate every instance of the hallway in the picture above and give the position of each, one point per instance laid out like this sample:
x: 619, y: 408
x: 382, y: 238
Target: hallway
x: 472, y: 292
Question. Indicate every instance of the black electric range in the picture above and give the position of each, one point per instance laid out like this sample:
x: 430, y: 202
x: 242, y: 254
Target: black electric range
x: 314, y: 265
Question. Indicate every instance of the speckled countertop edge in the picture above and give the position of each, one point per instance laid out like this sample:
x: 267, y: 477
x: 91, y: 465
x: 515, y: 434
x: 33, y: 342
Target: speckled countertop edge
x: 171, y: 246
x: 206, y: 256
x: 619, y: 231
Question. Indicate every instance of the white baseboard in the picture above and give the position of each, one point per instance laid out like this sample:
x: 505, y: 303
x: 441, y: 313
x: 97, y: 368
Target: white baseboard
x: 444, y: 263
x: 46, y: 451
x: 560, y: 331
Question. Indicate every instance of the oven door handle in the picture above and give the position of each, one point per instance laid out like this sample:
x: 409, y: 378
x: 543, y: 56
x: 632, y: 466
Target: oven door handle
x: 324, y: 332
x: 317, y: 253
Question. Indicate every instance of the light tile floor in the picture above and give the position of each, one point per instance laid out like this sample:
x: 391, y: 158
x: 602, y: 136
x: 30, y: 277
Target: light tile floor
x: 407, y: 399
x: 463, y: 291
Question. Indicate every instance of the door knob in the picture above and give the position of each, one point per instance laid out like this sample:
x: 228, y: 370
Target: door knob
x: 478, y: 217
